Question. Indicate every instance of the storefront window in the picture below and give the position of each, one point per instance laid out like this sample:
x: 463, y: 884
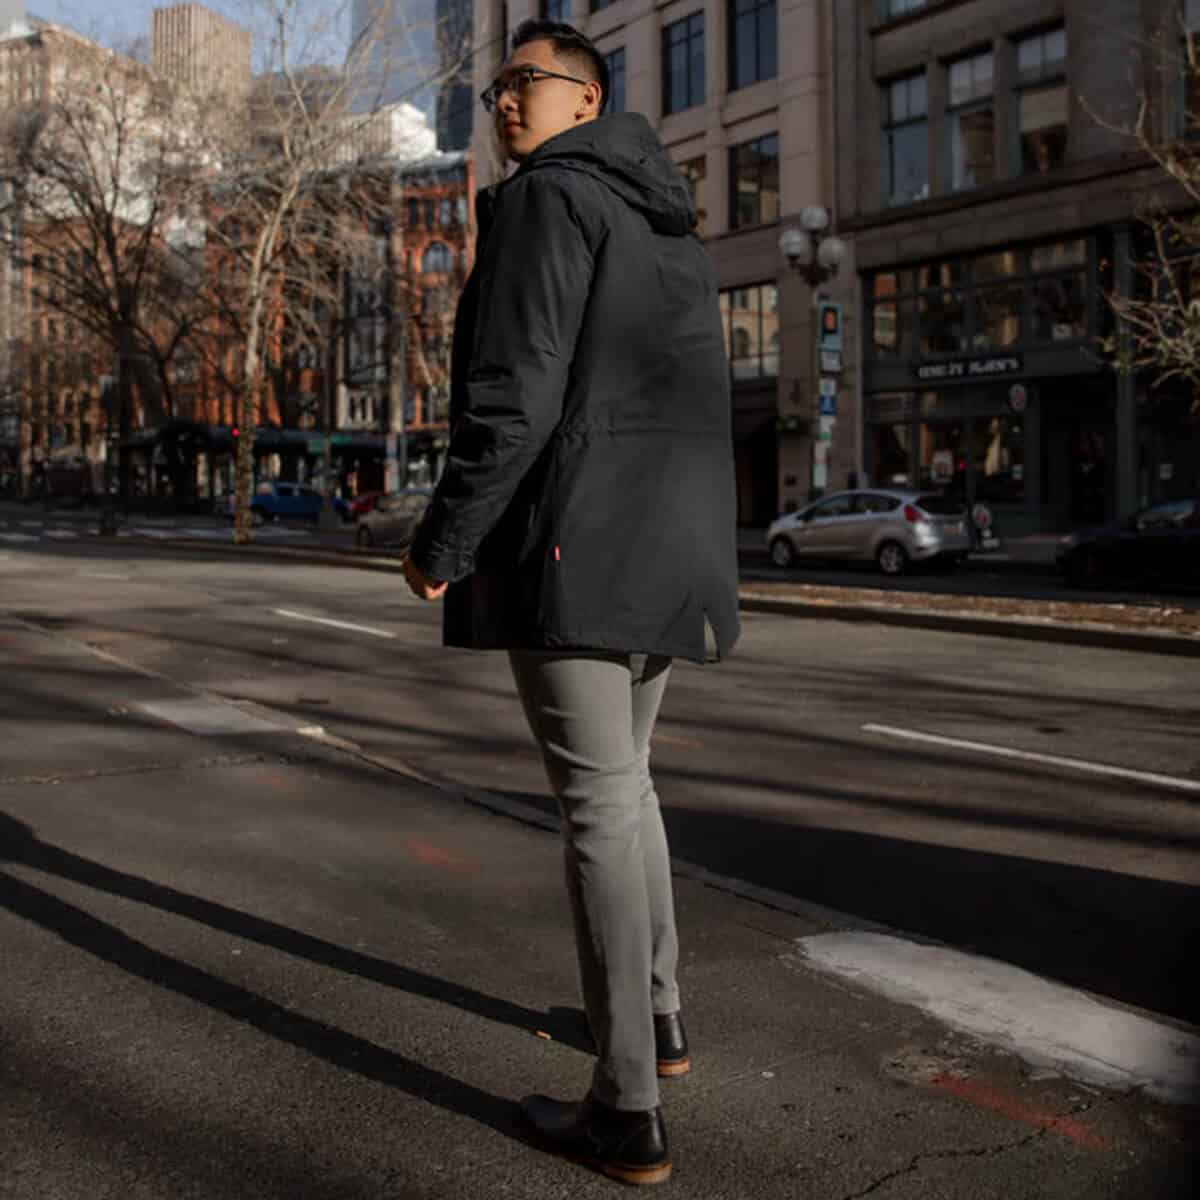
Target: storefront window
x: 942, y: 318
x: 1054, y: 256
x: 890, y: 455
x: 998, y: 458
x: 942, y: 463
x: 997, y: 317
x: 1059, y: 308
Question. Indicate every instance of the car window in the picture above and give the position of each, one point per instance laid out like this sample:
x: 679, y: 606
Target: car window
x: 1173, y: 515
x: 873, y: 502
x: 937, y: 505
x: 835, y: 506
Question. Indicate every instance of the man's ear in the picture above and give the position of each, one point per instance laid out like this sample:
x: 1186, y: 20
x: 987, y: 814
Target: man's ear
x: 591, y: 103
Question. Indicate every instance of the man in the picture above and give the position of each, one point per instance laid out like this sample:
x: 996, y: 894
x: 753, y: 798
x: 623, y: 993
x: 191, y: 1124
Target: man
x: 585, y: 522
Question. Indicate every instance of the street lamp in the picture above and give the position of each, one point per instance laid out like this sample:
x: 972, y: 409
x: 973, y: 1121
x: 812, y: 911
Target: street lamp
x: 811, y: 251
x: 815, y: 255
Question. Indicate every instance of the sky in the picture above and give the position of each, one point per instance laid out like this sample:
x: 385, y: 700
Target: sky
x: 117, y: 22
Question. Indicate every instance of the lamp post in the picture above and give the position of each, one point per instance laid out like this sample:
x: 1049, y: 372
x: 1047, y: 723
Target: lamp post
x: 815, y: 254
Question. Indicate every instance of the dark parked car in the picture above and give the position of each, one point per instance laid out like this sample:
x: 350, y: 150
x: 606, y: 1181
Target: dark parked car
x: 1158, y: 544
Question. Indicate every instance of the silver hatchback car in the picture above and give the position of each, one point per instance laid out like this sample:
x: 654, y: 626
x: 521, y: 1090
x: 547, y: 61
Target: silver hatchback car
x: 394, y: 519
x: 891, y: 527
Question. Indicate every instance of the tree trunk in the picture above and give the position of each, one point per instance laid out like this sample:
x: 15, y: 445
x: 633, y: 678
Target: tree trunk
x: 243, y: 529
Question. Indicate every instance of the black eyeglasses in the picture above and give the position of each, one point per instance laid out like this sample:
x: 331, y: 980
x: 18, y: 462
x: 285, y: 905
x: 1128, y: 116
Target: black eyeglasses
x: 518, y: 81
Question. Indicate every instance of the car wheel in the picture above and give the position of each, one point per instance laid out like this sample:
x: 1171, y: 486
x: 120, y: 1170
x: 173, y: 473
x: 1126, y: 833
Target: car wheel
x: 892, y: 558
x: 363, y: 538
x: 1084, y: 569
x: 783, y: 553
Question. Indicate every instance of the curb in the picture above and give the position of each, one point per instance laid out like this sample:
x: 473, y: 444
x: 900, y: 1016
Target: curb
x: 1035, y: 629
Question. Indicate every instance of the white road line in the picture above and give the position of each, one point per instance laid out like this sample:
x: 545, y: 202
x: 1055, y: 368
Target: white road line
x: 104, y: 575
x: 17, y: 537
x: 62, y: 533
x: 295, y: 616
x: 1053, y: 760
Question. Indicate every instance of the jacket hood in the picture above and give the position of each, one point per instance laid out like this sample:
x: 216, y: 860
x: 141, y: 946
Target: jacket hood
x: 624, y: 153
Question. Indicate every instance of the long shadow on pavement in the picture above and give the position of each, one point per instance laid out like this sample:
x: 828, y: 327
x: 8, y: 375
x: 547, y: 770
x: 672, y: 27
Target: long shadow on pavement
x: 19, y: 844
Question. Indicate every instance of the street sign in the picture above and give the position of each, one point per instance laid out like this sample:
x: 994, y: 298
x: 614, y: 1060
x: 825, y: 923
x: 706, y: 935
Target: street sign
x: 828, y: 387
x: 831, y: 362
x: 828, y: 406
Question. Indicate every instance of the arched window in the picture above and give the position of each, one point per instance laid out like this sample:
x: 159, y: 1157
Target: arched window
x: 438, y: 258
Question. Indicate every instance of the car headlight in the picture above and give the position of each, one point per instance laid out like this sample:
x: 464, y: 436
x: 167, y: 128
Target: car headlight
x: 1068, y: 540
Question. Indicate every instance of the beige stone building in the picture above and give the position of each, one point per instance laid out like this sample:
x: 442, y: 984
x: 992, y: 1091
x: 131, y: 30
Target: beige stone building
x: 738, y: 90
x: 195, y: 46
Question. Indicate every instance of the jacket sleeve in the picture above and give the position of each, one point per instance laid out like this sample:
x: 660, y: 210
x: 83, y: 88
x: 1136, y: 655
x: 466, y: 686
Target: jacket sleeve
x: 535, y: 276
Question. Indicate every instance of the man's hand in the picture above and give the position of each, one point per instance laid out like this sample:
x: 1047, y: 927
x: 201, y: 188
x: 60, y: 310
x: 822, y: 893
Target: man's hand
x: 422, y: 586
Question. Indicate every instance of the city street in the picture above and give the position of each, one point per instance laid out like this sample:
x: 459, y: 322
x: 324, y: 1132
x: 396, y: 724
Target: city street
x: 243, y: 885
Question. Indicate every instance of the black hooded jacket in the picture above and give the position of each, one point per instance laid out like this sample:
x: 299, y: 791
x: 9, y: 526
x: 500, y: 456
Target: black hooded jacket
x: 588, y: 495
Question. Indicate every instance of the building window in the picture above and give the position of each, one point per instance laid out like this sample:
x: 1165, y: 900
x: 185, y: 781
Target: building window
x: 1189, y: 80
x: 753, y: 52
x: 941, y: 309
x: 754, y: 182
x: 616, y: 81
x: 1042, y: 101
x: 695, y: 170
x: 971, y: 120
x: 414, y: 213
x: 905, y: 140
x: 890, y: 315
x: 437, y: 259
x: 889, y: 10
x: 683, y: 64
x: 750, y: 316
x: 1059, y: 286
x: 559, y: 10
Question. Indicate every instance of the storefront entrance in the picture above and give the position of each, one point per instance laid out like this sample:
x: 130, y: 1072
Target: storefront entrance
x: 1078, y: 466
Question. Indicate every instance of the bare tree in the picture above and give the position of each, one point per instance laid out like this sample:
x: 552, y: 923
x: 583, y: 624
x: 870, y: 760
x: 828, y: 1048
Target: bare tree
x: 92, y: 161
x: 1157, y: 331
x: 301, y: 179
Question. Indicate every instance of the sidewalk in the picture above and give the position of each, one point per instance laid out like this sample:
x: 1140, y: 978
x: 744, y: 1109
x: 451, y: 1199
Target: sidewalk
x: 278, y: 969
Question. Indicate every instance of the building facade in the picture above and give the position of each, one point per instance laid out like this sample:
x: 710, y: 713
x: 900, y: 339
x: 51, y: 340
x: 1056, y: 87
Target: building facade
x: 738, y: 91
x: 417, y: 53
x: 192, y: 45
x: 993, y: 200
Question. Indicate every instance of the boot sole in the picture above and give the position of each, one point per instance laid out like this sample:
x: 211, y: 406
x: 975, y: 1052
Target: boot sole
x: 668, y: 1068
x: 636, y: 1175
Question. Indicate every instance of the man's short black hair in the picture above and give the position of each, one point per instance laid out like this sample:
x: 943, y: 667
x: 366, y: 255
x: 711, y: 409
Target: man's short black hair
x: 570, y: 45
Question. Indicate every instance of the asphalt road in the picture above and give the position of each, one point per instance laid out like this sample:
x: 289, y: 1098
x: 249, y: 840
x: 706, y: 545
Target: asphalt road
x: 791, y: 767
x: 238, y: 963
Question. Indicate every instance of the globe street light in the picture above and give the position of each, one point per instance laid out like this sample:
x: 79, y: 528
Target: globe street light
x: 815, y: 254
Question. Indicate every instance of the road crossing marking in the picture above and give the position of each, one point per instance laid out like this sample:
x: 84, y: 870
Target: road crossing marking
x: 295, y: 616
x: 1052, y: 760
x: 1045, y: 1023
x: 61, y: 533
x: 17, y: 537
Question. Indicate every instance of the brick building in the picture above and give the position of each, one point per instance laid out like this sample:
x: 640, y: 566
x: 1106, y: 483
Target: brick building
x: 992, y: 206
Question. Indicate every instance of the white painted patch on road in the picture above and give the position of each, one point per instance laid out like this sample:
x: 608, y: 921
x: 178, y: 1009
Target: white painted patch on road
x: 17, y: 537
x: 1044, y: 1023
x: 1052, y: 760
x: 62, y: 533
x: 209, y: 718
x: 105, y: 575
x: 296, y: 616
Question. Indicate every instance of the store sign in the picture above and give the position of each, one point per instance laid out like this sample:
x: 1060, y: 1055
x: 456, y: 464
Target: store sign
x: 971, y: 368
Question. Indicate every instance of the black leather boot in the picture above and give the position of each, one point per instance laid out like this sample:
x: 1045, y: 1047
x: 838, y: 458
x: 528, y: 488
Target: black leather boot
x: 629, y: 1146
x: 670, y: 1045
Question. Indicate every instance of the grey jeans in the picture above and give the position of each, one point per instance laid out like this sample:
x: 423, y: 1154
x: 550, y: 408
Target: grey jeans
x: 592, y: 715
